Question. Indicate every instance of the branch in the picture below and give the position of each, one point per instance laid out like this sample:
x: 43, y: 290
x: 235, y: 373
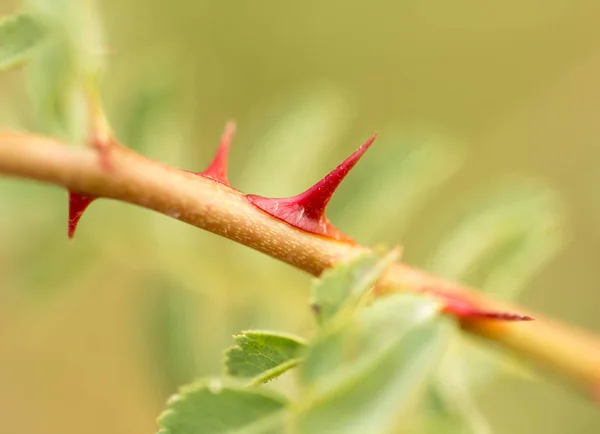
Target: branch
x: 218, y: 208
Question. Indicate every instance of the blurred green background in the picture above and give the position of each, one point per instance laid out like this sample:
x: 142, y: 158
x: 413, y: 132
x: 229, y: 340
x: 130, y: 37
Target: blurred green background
x: 489, y: 147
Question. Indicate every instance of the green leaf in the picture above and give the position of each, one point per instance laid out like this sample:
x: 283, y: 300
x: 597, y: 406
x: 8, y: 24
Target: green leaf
x: 19, y: 35
x: 209, y: 407
x: 503, y: 240
x: 347, y: 283
x: 149, y: 99
x: 172, y: 330
x: 66, y: 66
x: 263, y: 355
x: 455, y: 391
x: 80, y: 23
x: 367, y: 372
x: 442, y: 417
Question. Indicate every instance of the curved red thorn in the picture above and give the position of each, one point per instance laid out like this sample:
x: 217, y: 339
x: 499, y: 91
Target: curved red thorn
x: 78, y: 203
x: 465, y: 309
x: 217, y: 170
x: 307, y: 210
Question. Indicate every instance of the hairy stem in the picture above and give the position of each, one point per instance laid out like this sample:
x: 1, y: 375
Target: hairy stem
x: 217, y: 208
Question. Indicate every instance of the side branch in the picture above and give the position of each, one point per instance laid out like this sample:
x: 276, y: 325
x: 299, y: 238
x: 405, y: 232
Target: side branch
x: 224, y: 211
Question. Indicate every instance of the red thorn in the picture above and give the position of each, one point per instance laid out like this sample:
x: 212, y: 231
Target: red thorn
x: 217, y: 171
x: 307, y: 210
x: 78, y: 203
x: 465, y: 309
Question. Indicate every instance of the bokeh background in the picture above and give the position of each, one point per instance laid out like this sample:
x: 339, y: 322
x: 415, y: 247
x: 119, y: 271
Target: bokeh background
x: 486, y: 170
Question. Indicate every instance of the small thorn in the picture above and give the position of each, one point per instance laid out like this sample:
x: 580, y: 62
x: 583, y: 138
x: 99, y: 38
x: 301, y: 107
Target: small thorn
x: 78, y: 203
x: 307, y: 210
x: 217, y: 170
x: 465, y: 309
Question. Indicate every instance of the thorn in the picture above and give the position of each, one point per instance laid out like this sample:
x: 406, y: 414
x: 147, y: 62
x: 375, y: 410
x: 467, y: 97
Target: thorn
x: 465, y: 309
x: 78, y: 203
x: 307, y: 210
x: 217, y: 170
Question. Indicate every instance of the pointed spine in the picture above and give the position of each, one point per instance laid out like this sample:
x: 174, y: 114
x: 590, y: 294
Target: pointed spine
x: 465, y: 309
x: 78, y: 203
x: 217, y: 170
x: 306, y: 211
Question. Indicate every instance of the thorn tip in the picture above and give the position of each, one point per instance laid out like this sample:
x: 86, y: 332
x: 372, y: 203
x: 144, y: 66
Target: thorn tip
x: 466, y: 309
x: 217, y: 170
x: 306, y: 211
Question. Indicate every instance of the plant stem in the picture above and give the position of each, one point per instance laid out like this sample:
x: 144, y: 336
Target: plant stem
x: 217, y: 208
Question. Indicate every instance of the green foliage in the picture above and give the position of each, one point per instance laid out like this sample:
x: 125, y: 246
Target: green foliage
x: 213, y: 408
x: 502, y: 239
x: 365, y: 374
x: 263, y: 355
x: 63, y: 73
x: 170, y: 320
x: 346, y: 284
x: 498, y: 244
x: 19, y: 35
x: 366, y: 367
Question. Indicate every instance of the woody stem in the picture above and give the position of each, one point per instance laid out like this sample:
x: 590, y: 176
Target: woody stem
x: 209, y: 205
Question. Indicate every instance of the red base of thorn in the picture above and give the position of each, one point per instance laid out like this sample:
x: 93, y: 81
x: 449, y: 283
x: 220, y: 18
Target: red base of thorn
x: 307, y: 210
x: 297, y: 215
x: 78, y: 203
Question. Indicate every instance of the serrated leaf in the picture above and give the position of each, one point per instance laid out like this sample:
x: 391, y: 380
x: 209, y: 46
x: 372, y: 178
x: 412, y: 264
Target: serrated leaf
x: 263, y: 355
x: 209, y: 407
x: 344, y: 285
x: 363, y: 374
x: 19, y: 35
